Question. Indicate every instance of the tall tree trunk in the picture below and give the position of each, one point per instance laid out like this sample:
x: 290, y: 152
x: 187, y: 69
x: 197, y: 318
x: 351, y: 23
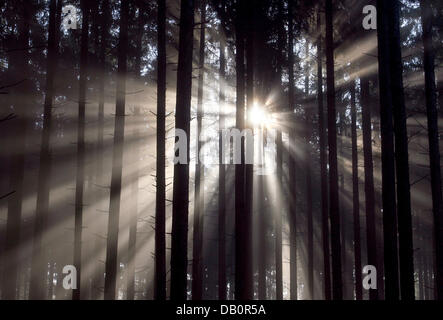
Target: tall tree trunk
x: 262, y: 221
x: 309, y: 218
x: 39, y: 263
x: 160, y: 195
x: 355, y: 198
x: 249, y: 149
x: 434, y: 151
x: 139, y: 37
x: 279, y: 158
x: 404, y: 216
x: 197, y: 254
x: 133, y: 218
x: 104, y: 18
x: 292, y: 183
x: 222, y: 178
x: 117, y: 158
x: 243, y: 276
x: 179, y: 261
x: 17, y: 162
x: 371, y: 236
x: 333, y: 171
x: 323, y: 168
x: 392, y: 288
x: 133, y: 207
x: 343, y: 209
x: 80, y: 176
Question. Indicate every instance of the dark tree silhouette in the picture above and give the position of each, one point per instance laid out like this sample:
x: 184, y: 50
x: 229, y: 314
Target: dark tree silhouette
x: 355, y: 197
x: 307, y: 163
x: 222, y: 171
x: 243, y: 277
x: 80, y: 175
x: 434, y: 151
x: 371, y: 237
x: 281, y: 42
x: 160, y: 205
x: 387, y: 153
x: 334, y: 214
x: 38, y: 264
x: 292, y: 182
x: 101, y: 75
x: 323, y: 169
x: 180, y: 203
x: 404, y: 215
x: 197, y: 254
x: 117, y: 157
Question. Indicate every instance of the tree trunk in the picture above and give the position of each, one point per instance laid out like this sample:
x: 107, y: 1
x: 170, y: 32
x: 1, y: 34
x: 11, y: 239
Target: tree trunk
x: 307, y: 160
x: 133, y: 206
x: 134, y: 178
x: 279, y: 158
x: 249, y: 168
x: 333, y: 172
x: 222, y: 178
x: 104, y: 18
x: 323, y: 168
x: 197, y: 252
x: 39, y: 263
x: 355, y: 198
x: 139, y: 37
x: 292, y: 183
x: 371, y: 236
x: 406, y: 250
x: 160, y: 195
x: 180, y: 203
x: 243, y: 275
x: 387, y: 151
x: 434, y: 151
x: 117, y: 158
x: 80, y: 176
x: 17, y: 162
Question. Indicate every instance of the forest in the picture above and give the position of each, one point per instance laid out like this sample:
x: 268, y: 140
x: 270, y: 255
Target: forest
x: 221, y: 150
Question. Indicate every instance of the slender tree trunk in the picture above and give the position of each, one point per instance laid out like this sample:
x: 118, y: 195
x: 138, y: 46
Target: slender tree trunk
x: 279, y: 158
x: 333, y: 172
x: 117, y: 158
x: 323, y: 168
x: 39, y: 263
x: 160, y: 206
x: 434, y: 151
x: 262, y: 222
x: 139, y: 37
x: 404, y: 216
x: 309, y: 218
x: 133, y: 207
x: 132, y: 241
x: 371, y: 236
x: 80, y: 177
x: 355, y: 198
x: 341, y: 111
x: 392, y: 288
x: 180, y: 203
x: 243, y: 276
x: 222, y: 178
x: 292, y: 183
x: 249, y: 150
x: 197, y: 252
x: 104, y: 17
x: 12, y: 248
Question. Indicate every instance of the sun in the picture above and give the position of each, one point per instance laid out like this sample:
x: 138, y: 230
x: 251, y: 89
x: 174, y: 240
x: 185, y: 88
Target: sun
x: 257, y: 115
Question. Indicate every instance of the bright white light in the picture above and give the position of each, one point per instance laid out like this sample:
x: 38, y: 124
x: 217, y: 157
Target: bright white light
x: 257, y: 115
